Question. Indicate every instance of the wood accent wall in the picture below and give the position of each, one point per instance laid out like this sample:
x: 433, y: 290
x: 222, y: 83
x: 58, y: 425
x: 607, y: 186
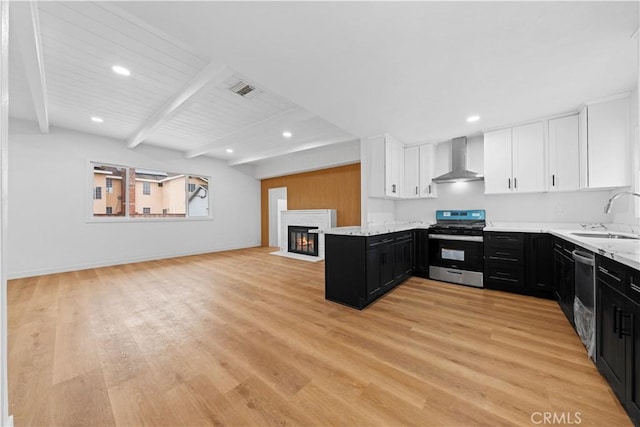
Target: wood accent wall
x: 334, y: 188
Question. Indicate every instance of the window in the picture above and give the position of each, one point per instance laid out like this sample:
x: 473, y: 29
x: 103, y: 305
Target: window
x: 198, y: 204
x: 147, y: 193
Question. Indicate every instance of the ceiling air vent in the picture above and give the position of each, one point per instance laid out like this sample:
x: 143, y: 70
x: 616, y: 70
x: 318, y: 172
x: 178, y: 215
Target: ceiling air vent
x: 243, y: 89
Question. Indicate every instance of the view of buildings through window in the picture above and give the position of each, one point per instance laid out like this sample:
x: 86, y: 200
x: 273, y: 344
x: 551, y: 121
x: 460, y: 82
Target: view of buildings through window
x: 131, y: 192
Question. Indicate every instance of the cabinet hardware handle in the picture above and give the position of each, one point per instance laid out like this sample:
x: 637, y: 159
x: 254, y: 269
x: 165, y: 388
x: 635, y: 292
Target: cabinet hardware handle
x: 553, y: 180
x: 616, y: 320
x: 624, y: 331
x: 509, y: 182
x: 635, y: 287
x: 393, y: 188
x: 515, y: 183
x: 416, y: 190
x: 429, y: 188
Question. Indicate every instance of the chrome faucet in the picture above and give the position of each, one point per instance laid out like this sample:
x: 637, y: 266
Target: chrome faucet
x: 607, y: 208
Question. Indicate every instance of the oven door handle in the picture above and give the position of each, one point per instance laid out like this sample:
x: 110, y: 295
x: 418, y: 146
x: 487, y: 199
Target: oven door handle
x: 456, y: 237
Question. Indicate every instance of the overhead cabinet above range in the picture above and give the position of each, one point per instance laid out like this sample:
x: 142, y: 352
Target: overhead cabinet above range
x: 514, y: 160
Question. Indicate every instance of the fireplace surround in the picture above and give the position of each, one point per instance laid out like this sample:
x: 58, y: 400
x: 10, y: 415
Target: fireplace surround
x: 310, y: 219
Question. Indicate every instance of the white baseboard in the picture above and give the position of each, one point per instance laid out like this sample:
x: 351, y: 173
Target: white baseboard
x: 7, y: 421
x: 110, y: 263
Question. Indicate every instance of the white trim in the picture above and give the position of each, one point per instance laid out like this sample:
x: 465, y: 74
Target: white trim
x: 608, y: 98
x: 27, y: 29
x: 123, y: 261
x: 5, y: 418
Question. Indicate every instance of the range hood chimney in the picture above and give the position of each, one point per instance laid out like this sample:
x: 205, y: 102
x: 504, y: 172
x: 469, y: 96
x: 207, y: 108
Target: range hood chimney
x: 459, y: 164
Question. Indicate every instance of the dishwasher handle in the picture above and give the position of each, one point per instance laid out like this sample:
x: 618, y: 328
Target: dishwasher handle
x: 583, y: 257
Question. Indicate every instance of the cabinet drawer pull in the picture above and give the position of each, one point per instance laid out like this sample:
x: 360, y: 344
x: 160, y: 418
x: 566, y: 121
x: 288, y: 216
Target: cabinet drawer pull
x: 515, y: 183
x: 553, y: 180
x: 509, y: 182
x: 635, y: 287
x: 429, y: 188
x: 608, y: 273
x: 616, y: 319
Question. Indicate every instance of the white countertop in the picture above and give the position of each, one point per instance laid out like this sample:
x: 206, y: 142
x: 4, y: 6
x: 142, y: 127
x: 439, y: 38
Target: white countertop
x: 375, y: 229
x: 625, y: 251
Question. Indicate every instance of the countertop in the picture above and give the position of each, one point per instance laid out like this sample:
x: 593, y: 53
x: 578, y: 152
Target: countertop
x: 625, y: 251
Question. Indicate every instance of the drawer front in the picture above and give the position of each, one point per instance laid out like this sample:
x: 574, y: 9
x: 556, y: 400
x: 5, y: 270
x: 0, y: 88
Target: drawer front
x: 633, y: 284
x: 380, y: 239
x: 504, y: 238
x: 501, y: 252
x: 612, y: 273
x: 511, y: 275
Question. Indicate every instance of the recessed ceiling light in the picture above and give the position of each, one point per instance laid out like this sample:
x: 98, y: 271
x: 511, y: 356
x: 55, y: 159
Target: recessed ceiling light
x: 287, y: 134
x: 97, y: 119
x: 472, y: 119
x: 229, y: 150
x: 121, y: 70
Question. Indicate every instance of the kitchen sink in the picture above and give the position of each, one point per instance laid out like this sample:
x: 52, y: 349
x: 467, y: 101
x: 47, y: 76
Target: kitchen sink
x: 606, y: 236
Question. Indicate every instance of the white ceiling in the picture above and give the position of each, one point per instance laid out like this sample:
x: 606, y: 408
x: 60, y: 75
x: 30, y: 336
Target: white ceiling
x: 335, y: 69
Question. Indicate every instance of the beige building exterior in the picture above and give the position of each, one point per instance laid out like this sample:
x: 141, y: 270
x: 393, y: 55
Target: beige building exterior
x: 153, y: 194
x: 107, y: 194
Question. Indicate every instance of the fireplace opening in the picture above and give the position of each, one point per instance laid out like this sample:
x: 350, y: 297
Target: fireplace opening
x: 302, y: 241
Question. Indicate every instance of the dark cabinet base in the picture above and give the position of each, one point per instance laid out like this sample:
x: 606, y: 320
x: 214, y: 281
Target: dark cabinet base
x: 359, y: 269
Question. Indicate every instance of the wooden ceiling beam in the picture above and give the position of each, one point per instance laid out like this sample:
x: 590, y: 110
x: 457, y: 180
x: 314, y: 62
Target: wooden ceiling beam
x: 211, y: 75
x: 315, y: 143
x: 287, y: 118
x: 26, y: 23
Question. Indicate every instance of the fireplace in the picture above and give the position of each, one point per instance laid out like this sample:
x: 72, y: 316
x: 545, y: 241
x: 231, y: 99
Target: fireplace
x: 302, y: 241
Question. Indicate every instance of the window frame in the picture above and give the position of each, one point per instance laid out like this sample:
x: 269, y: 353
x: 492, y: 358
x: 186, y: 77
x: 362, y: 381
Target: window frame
x: 90, y: 218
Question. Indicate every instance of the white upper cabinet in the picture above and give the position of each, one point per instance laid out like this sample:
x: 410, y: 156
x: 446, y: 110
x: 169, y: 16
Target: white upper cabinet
x: 604, y: 144
x: 564, y: 154
x: 386, y: 167
x: 427, y: 188
x: 497, y: 162
x: 412, y: 172
x: 528, y: 158
x: 418, y: 172
x: 514, y: 159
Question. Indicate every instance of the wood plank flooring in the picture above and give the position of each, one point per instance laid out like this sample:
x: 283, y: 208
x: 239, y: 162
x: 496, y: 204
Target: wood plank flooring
x: 245, y: 338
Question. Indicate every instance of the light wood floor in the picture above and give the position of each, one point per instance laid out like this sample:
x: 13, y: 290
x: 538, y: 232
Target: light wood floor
x: 247, y: 338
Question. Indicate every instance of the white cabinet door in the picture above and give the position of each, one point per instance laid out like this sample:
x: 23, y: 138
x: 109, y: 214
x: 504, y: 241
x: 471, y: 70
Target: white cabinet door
x: 412, y: 172
x: 527, y: 144
x: 395, y: 168
x: 608, y: 162
x: 377, y: 166
x: 427, y: 187
x: 386, y: 167
x: 497, y: 162
x: 564, y: 154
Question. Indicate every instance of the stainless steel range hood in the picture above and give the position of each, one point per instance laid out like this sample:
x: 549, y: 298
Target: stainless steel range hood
x: 459, y: 164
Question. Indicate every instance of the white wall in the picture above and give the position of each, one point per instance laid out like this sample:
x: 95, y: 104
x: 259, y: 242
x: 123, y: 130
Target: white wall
x: 309, y: 160
x: 577, y: 207
x: 49, y: 191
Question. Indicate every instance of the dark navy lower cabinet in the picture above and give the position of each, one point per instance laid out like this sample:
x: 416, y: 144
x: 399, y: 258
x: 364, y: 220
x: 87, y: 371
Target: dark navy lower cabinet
x: 360, y: 269
x: 618, y: 331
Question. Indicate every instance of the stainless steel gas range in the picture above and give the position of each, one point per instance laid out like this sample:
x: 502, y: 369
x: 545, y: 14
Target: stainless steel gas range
x: 456, y: 247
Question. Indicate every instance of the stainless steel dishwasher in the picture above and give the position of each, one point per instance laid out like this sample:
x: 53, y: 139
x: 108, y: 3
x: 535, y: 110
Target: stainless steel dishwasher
x: 584, y: 303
